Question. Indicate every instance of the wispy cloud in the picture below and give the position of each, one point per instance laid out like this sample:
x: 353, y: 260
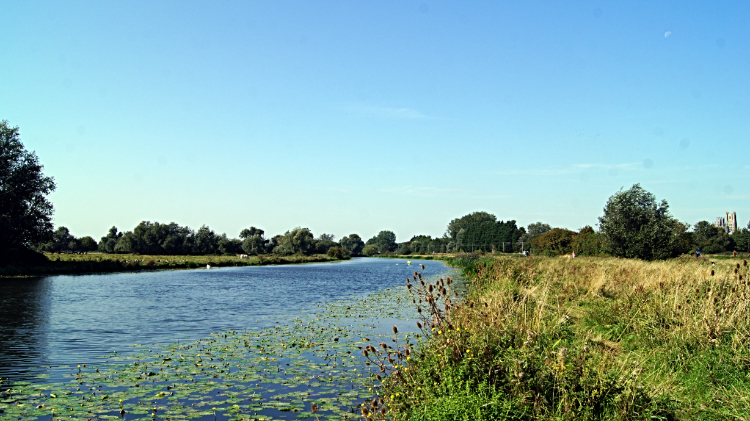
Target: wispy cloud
x: 419, y: 191
x: 493, y: 196
x: 573, y: 169
x: 388, y: 112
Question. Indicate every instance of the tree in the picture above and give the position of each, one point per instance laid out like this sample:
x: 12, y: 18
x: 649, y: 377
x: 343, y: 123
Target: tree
x: 370, y: 250
x: 25, y: 212
x: 297, y: 241
x: 249, y: 232
x: 635, y: 225
x: 353, y: 243
x: 554, y: 242
x: 465, y: 221
x: 326, y: 237
x: 87, y: 244
x: 741, y: 239
x: 108, y: 242
x: 711, y: 239
x: 386, y: 241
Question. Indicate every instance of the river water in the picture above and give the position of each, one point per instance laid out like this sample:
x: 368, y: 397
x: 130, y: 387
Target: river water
x: 48, y: 325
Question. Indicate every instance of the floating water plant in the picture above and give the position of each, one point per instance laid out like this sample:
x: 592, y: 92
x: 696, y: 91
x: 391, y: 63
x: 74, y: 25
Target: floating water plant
x: 309, y: 368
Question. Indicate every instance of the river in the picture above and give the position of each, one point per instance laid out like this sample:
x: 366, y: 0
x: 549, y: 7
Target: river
x: 49, y: 326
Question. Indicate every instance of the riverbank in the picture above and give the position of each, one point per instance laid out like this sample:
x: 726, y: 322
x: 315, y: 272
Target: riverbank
x: 73, y: 264
x: 585, y: 338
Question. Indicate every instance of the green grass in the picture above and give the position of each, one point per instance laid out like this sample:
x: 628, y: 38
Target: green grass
x: 99, y: 262
x: 581, y: 339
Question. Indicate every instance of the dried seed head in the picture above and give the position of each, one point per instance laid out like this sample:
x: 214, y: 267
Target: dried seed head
x: 378, y: 376
x: 395, y: 330
x: 314, y: 408
x: 712, y: 272
x: 365, y: 411
x: 419, y: 325
x: 422, y: 267
x: 364, y: 352
x: 419, y: 310
x: 374, y: 403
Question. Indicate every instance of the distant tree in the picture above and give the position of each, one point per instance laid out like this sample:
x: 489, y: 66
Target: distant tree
x: 370, y: 250
x: 404, y: 249
x: 25, y: 211
x: 229, y: 246
x: 465, y: 221
x: 326, y: 237
x: 87, y: 244
x: 338, y: 252
x: 109, y: 241
x: 554, y: 243
x: 587, y: 243
x: 254, y: 245
x: 353, y: 243
x: 487, y: 234
x: 321, y: 246
x: 386, y: 241
x: 125, y: 243
x: 635, y: 225
x: 249, y: 232
x: 297, y: 241
x: 206, y: 241
x: 711, y: 239
x: 741, y: 239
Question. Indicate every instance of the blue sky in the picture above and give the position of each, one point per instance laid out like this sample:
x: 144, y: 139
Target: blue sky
x: 362, y: 116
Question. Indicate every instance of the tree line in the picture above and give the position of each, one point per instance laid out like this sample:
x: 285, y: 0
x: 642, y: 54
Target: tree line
x: 633, y: 225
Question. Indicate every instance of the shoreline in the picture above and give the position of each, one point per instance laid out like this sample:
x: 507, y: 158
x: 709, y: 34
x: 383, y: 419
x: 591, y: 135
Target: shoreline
x: 75, y: 264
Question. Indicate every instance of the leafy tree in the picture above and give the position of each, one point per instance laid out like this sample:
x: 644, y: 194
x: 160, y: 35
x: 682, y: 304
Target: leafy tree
x: 404, y: 248
x: 386, y: 241
x: 338, y: 252
x: 488, y: 233
x: 321, y: 246
x: 741, y: 238
x: 108, y: 242
x: 25, y: 212
x: 465, y: 221
x: 296, y: 241
x: 249, y: 232
x: 87, y: 244
x: 710, y: 239
x: 326, y: 237
x: 206, y: 241
x: 587, y: 243
x: 370, y: 250
x: 353, y: 243
x: 125, y: 243
x: 553, y: 243
x: 229, y: 246
x: 635, y: 225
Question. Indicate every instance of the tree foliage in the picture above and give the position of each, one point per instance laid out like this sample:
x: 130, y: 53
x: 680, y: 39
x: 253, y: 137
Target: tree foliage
x: 384, y: 241
x: 297, y: 241
x: 353, y: 243
x: 711, y: 239
x: 635, y: 225
x: 475, y: 218
x: 25, y: 212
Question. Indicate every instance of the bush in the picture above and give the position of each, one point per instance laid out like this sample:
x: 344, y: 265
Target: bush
x: 370, y: 250
x: 338, y: 253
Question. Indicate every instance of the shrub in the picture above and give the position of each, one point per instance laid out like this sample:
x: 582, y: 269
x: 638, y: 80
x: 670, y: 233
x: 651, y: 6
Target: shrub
x: 553, y: 243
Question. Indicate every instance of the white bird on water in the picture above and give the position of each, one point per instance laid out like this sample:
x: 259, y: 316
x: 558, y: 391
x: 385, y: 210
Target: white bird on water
x: 208, y: 266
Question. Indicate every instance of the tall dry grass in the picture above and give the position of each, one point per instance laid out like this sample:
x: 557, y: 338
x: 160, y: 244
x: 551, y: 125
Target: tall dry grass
x: 584, y: 338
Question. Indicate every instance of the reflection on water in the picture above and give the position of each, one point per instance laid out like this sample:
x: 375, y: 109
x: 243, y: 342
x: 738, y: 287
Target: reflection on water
x: 69, y: 320
x: 24, y: 311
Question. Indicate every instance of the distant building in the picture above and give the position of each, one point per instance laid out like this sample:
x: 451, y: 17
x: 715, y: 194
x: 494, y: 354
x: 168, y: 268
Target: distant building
x: 729, y: 223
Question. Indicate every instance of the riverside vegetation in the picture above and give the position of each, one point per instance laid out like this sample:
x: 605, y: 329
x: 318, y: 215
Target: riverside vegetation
x: 575, y: 339
x: 61, y: 264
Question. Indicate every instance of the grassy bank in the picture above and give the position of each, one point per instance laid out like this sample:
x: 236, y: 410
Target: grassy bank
x: 579, y: 339
x: 92, y: 263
